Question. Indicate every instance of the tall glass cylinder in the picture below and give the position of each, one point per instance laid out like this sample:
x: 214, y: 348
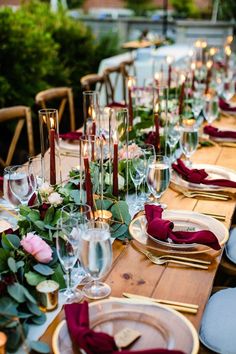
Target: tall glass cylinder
x: 50, y: 151
x: 91, y: 112
x: 160, y: 109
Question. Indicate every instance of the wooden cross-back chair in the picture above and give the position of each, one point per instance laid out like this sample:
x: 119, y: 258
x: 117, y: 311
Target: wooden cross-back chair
x: 20, y: 115
x: 127, y: 69
x: 96, y: 82
x: 63, y: 95
x: 112, y: 75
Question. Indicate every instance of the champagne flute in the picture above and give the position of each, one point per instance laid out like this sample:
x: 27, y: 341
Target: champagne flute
x: 96, y: 258
x: 189, y: 141
x: 22, y: 183
x: 137, y: 173
x: 211, y: 109
x: 158, y: 176
x: 67, y: 244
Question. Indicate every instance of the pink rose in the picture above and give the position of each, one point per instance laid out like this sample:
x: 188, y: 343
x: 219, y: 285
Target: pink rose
x: 37, y: 247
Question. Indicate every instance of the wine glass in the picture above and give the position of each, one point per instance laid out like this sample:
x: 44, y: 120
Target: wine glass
x: 149, y: 150
x: 189, y: 141
x: 11, y: 200
x: 211, y: 109
x: 197, y: 106
x: 83, y: 215
x: 22, y: 183
x: 67, y: 244
x: 96, y: 258
x: 173, y: 138
x: 158, y: 176
x: 228, y: 90
x: 35, y: 165
x: 137, y: 173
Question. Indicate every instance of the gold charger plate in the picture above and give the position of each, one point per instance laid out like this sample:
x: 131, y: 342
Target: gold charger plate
x: 183, y: 220
x: 160, y: 327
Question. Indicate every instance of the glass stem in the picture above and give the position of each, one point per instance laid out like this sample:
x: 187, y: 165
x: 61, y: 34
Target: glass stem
x: 136, y: 194
x: 68, y: 281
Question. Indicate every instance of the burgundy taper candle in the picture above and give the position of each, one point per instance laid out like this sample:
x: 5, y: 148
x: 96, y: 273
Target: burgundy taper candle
x: 88, y: 183
x: 52, y: 157
x: 115, y: 170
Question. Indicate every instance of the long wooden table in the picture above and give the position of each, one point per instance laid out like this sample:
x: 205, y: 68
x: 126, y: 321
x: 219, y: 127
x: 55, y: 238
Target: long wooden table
x: 132, y: 272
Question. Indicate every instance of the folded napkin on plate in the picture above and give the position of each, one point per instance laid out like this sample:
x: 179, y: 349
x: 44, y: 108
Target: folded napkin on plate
x: 1, y: 184
x: 71, y: 136
x: 215, y: 132
x: 225, y: 106
x: 77, y: 317
x: 200, y: 176
x: 163, y: 229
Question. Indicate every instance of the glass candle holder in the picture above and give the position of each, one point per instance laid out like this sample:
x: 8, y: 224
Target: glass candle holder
x: 91, y: 112
x: 50, y: 151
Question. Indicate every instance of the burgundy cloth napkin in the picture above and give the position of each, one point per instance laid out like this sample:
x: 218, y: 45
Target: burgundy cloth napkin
x: 200, y: 176
x: 71, y: 136
x: 163, y: 229
x: 212, y: 131
x: 225, y: 106
x: 116, y: 105
x: 1, y: 184
x: 77, y: 317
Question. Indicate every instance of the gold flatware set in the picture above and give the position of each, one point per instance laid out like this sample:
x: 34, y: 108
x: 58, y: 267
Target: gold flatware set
x: 184, y: 261
x: 179, y: 306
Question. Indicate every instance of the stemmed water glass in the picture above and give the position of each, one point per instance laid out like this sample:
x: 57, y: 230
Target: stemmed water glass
x: 83, y: 215
x: 22, y: 183
x: 137, y: 173
x: 96, y: 258
x: 67, y: 244
x: 189, y: 141
x: 158, y: 176
x: 211, y: 109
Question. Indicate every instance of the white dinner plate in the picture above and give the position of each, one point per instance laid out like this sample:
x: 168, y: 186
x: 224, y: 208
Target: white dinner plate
x: 214, y: 172
x: 160, y: 326
x: 183, y: 220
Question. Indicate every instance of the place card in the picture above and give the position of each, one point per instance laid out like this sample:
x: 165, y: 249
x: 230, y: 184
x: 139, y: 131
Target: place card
x: 125, y: 337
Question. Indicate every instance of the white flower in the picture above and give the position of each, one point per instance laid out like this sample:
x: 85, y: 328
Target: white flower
x: 45, y: 189
x: 55, y: 199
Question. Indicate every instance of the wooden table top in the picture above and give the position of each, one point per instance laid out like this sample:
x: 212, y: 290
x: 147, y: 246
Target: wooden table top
x: 132, y: 272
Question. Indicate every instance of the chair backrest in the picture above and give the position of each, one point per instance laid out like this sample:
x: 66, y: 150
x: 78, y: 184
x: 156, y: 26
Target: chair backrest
x: 63, y: 95
x: 96, y: 82
x: 20, y: 115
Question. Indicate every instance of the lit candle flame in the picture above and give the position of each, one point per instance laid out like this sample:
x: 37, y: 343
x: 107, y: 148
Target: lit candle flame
x: 190, y: 53
x: 85, y: 149
x: 156, y: 108
x: 193, y: 66
x: 209, y: 64
x: 212, y: 51
x: 52, y: 123
x: 44, y: 119
x: 169, y: 59
x: 228, y: 50
x: 204, y: 44
x: 130, y: 82
x: 229, y: 39
x: 91, y: 112
x: 182, y: 78
x: 198, y: 43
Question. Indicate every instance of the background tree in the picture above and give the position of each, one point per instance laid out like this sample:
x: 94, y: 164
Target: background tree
x: 140, y: 7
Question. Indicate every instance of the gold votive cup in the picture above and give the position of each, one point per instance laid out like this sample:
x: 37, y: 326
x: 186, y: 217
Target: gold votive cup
x: 103, y: 215
x: 3, y: 341
x: 48, y: 294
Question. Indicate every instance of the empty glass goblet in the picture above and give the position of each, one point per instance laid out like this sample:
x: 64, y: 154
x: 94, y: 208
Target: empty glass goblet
x: 11, y: 200
x: 96, y: 258
x: 158, y: 176
x: 22, y: 183
x: 137, y: 172
x: 189, y: 141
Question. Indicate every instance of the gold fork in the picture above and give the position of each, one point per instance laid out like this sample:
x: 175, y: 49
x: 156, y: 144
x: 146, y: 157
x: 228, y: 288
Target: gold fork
x: 161, y: 260
x: 209, y: 195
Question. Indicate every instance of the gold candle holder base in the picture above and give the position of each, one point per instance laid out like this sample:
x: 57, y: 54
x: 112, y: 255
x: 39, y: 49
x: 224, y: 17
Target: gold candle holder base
x: 48, y: 294
x: 103, y: 215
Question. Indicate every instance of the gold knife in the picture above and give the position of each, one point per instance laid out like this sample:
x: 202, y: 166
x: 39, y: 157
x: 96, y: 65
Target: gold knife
x: 167, y: 302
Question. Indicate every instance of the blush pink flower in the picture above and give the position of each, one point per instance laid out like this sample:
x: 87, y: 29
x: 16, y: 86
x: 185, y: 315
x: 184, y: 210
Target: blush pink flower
x: 38, y: 248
